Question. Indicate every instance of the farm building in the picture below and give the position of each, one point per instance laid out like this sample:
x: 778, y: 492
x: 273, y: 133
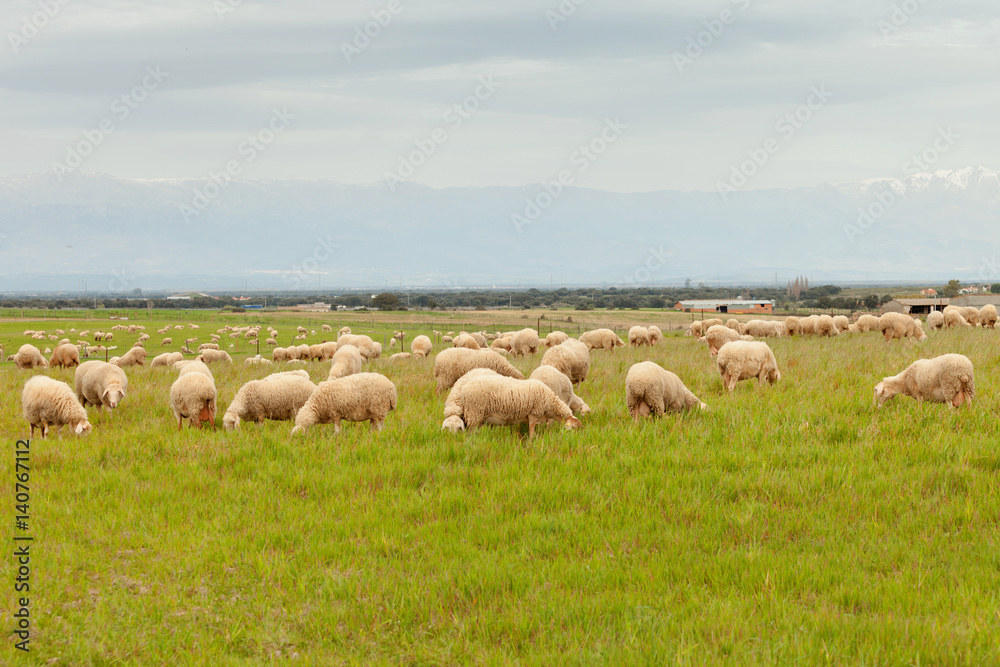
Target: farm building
x: 915, y: 306
x: 726, y: 306
x: 977, y: 301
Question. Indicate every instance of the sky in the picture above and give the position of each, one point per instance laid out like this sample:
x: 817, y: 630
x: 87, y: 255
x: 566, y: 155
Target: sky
x: 637, y: 95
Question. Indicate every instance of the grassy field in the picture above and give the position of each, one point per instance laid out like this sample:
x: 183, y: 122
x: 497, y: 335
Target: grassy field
x: 788, y: 524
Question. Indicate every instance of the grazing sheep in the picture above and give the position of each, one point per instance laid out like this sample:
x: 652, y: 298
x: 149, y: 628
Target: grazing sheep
x: 693, y: 330
x: 257, y: 360
x: 302, y: 330
x: 988, y: 316
x: 167, y: 359
x: 505, y: 401
x: 366, y: 346
x: 447, y: 339
x: 945, y: 379
x: 807, y: 325
x: 270, y: 342
x: 166, y: 341
x: 792, y: 326
x: 100, y: 383
x: 734, y: 324
x: 421, y: 346
x: 343, y: 330
x: 867, y: 323
x: 826, y: 327
x: 455, y: 362
x: 466, y: 341
x: 193, y: 366
x: 211, y: 356
x: 953, y: 317
x: 136, y: 356
x: 935, y: 320
x: 557, y: 381
x: 718, y: 335
x: 601, y: 338
x: 208, y: 346
x: 361, y: 397
x: 552, y: 339
x: 760, y: 328
x: 401, y: 356
x: 65, y: 355
x: 277, y: 397
x: 571, y: 358
x: 638, y: 336
x: 970, y: 314
x: 279, y: 354
x: 655, y: 335
x: 501, y: 343
x: 28, y: 356
x: 742, y: 360
x: 346, y: 361
x: 193, y: 396
x: 453, y: 405
x: 480, y: 339
x: 46, y: 403
x: 898, y: 325
x: 326, y: 328
x: 841, y: 322
x: 524, y: 342
x: 650, y: 389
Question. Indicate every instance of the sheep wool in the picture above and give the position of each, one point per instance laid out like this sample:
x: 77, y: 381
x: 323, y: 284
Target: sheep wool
x: 655, y: 335
x: 465, y: 340
x: 717, y: 336
x: 346, y: 361
x: 453, y: 404
x: 953, y: 318
x: 136, y: 356
x: 841, y: 322
x: 46, y: 403
x: 867, y: 323
x: 935, y: 320
x: 988, y: 316
x: 277, y: 397
x: 193, y: 366
x: 65, y: 355
x: 792, y: 326
x: 362, y: 397
x: 825, y: 326
x: 504, y: 401
x: 421, y: 346
x: 99, y: 383
x: 524, y: 342
x: 653, y: 390
x: 742, y: 360
x: 453, y: 363
x: 28, y: 356
x: 210, y: 356
x: 561, y: 385
x: 898, y: 325
x: 193, y: 396
x: 638, y: 336
x: 555, y: 338
x: 400, y: 356
x: 946, y: 379
x: 602, y: 338
x: 571, y: 358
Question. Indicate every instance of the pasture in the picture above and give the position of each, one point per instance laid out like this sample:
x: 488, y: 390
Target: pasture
x: 787, y: 524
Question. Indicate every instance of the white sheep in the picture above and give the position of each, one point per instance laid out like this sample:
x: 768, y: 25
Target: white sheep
x: 211, y: 356
x: 868, y: 323
x: 807, y: 325
x: 505, y: 401
x: 761, y: 328
x: 557, y: 381
x: 28, y: 356
x: 825, y: 326
x: 365, y: 345
x: 551, y: 340
x: 792, y: 326
x: 421, y: 346
x: 945, y: 379
x: 167, y: 359
x: 326, y: 328
x: 988, y: 316
x: 193, y: 396
x: 276, y: 397
x: 638, y: 336
x: 655, y: 335
x: 455, y: 362
x: 841, y: 322
x: 193, y: 366
x: 935, y: 320
x: 346, y: 361
x: 742, y: 360
x: 101, y: 384
x: 652, y: 390
x: 571, y: 358
x: 524, y: 342
x: 401, y: 356
x: 257, y: 360
x: 47, y: 403
x: 898, y: 325
x: 65, y: 355
x: 453, y: 406
x: 601, y: 339
x: 718, y: 335
x: 466, y: 341
x: 953, y: 317
x: 136, y: 356
x: 208, y: 346
x: 362, y: 397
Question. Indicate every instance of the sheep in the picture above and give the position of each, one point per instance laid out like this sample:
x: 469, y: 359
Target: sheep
x: 480, y: 339
x: 988, y: 316
x: 279, y: 354
x: 186, y: 350
x: 655, y: 335
x: 376, y: 351
x: 28, y: 356
x: 841, y: 322
x: 718, y: 335
x: 138, y: 343
x: 970, y: 314
x: 898, y: 325
x: 392, y: 342
x: 346, y: 361
x: 453, y: 405
x: 65, y: 355
x: 571, y: 358
x: 760, y: 328
x: 400, y: 356
x: 505, y: 401
x: 421, y: 346
x: 343, y: 330
x: 109, y: 336
x: 211, y: 356
x: 553, y: 338
x: 825, y: 326
x: 277, y: 397
x: 100, y: 383
x: 167, y: 359
x: 193, y: 366
x: 361, y: 397
x: 136, y: 356
x: 455, y: 362
x: 807, y: 325
x: 693, y: 330
x: 501, y: 343
x: 447, y: 339
x: 650, y: 389
x: 302, y: 330
x: 935, y: 320
x: 524, y: 342
x: 638, y: 336
x: 867, y: 323
x: 735, y: 325
x: 193, y: 396
x: 257, y: 360
x: 326, y: 328
x: 558, y: 382
x: 465, y: 340
x: 953, y: 317
x: 208, y: 346
x: 945, y: 379
x: 742, y: 360
x: 601, y: 338
x: 364, y: 344
x: 46, y: 403
x: 792, y: 326
x: 166, y: 341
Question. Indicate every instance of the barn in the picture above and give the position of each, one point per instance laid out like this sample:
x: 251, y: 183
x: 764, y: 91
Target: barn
x: 746, y: 306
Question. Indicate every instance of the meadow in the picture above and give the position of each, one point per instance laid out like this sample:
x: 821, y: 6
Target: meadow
x: 793, y: 523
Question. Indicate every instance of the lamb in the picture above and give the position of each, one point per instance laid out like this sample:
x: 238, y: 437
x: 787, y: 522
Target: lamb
x: 361, y: 397
x: 638, y: 336
x: 571, y: 358
x: 945, y: 379
x: 601, y: 338
x: 792, y: 326
x: 554, y: 338
x: 455, y: 362
x: 935, y: 320
x: 277, y: 397
x: 655, y: 335
x: 28, y: 356
x: 421, y: 346
x: 841, y: 322
x: 825, y: 326
x: 65, y: 355
x: 718, y: 335
x: 136, y: 356
x: 524, y: 342
x: 346, y: 361
x: 501, y: 401
x: 988, y: 316
x: 100, y: 383
x: 211, y: 356
x: 167, y: 359
x: 559, y: 383
x: 650, y: 389
x: 46, y: 403
x: 465, y: 340
x: 953, y: 318
x: 742, y: 360
x: 898, y: 325
x: 193, y: 396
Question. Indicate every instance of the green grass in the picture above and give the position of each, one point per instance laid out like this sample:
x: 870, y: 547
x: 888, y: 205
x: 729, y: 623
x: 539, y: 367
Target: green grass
x: 788, y: 524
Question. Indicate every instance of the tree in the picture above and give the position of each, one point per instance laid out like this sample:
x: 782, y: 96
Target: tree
x: 950, y: 290
x: 385, y: 301
x: 995, y: 288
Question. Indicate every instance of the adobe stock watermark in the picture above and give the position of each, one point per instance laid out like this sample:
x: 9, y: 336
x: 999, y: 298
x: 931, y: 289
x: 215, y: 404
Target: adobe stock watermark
x: 121, y: 108
x: 365, y: 33
x: 120, y: 280
x: 563, y: 11
x: 454, y: 117
x: 223, y: 7
x: 786, y: 128
x: 580, y: 161
x: 714, y: 28
x: 885, y: 199
x: 656, y: 259
x: 248, y: 150
x: 32, y: 25
x: 900, y: 16
x: 296, y: 277
x: 989, y: 269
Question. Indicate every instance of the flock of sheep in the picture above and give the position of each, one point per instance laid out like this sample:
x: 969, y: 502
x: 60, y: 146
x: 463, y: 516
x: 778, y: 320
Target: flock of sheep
x: 484, y: 388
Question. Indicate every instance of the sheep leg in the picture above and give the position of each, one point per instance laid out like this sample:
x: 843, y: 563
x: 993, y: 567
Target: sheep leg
x: 336, y: 426
x: 532, y: 420
x: 32, y: 432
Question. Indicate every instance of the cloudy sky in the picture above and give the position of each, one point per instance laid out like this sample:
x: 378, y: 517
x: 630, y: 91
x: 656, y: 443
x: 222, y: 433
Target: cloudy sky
x: 826, y: 91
